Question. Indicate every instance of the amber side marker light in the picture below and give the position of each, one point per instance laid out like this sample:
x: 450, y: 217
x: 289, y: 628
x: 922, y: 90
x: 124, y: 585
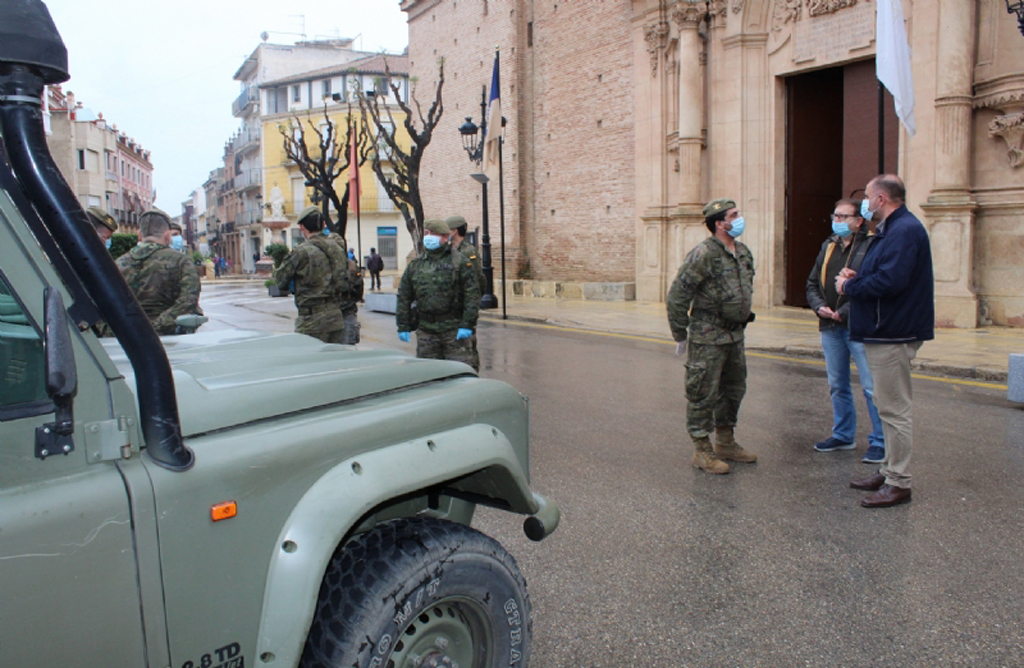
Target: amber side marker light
x: 223, y: 511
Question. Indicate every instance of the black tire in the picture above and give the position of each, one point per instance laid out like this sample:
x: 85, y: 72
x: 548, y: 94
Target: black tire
x: 414, y: 592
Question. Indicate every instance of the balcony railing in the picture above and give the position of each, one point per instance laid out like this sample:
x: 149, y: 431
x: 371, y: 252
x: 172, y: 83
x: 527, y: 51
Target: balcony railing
x: 247, y: 98
x: 246, y: 140
x: 249, y: 178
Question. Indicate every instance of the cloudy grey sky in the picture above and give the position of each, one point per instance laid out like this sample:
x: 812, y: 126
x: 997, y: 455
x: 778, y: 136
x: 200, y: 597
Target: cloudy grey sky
x: 162, y: 71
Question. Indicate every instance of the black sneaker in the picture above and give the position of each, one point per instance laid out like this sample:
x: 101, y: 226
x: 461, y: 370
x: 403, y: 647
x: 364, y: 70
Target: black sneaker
x: 875, y: 455
x: 830, y: 444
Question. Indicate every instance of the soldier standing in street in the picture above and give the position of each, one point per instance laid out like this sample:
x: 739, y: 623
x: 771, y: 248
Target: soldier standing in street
x: 708, y: 307
x: 319, y: 270
x: 352, y: 293
x: 165, y: 282
x: 458, y: 226
x: 443, y: 286
x: 177, y: 241
x: 103, y: 223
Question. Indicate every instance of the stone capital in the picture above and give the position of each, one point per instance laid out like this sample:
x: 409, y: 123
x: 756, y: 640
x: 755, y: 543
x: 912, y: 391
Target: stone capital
x: 688, y: 14
x: 1011, y: 128
x: 656, y: 36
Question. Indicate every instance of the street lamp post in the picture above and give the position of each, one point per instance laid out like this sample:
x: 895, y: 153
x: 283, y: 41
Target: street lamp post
x: 475, y: 148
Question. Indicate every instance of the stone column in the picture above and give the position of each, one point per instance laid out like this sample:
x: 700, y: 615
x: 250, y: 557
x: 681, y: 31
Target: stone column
x: 687, y: 16
x: 949, y: 211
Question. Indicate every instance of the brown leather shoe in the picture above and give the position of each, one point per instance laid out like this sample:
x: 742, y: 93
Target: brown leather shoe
x: 869, y: 484
x: 886, y: 497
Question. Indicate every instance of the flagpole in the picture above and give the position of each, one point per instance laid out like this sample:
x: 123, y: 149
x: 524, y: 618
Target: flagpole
x: 501, y: 218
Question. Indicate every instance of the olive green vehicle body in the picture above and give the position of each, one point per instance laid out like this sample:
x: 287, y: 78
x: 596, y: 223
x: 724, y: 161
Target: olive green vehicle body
x: 109, y: 559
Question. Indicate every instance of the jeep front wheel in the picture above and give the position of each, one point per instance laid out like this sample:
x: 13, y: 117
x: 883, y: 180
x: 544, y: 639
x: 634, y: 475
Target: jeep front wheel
x: 421, y: 593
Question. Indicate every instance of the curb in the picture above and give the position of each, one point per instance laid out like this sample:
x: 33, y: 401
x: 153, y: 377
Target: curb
x: 982, y: 373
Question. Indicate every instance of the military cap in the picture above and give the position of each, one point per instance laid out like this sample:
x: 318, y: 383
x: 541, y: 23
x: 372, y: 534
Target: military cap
x: 175, y: 225
x: 718, y: 206
x: 157, y: 212
x: 436, y: 226
x: 100, y: 217
x: 307, y: 212
x: 455, y: 221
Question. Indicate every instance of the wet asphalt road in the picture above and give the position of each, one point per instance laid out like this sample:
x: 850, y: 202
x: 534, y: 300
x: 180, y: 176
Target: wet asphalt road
x: 774, y: 565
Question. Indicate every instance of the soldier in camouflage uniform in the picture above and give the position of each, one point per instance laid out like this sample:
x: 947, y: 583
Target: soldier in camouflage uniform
x: 352, y: 295
x: 319, y: 269
x: 458, y: 226
x: 708, y: 307
x: 442, y: 284
x: 164, y: 281
x: 103, y: 223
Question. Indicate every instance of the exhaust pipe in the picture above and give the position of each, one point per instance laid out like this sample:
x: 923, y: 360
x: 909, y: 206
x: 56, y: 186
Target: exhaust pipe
x: 32, y: 54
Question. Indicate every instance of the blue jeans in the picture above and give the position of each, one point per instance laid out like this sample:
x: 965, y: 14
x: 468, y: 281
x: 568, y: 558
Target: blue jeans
x: 838, y: 350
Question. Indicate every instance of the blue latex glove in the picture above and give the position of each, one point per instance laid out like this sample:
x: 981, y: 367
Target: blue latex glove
x: 404, y: 336
x: 463, y: 334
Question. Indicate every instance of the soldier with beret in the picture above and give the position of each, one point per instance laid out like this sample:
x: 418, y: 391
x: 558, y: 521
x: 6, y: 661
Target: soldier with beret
x: 165, y: 282
x: 708, y: 307
x: 443, y: 286
x: 318, y: 267
x: 459, y: 227
x: 103, y: 223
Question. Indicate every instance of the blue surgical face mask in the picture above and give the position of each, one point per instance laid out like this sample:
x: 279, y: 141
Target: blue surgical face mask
x: 431, y: 242
x: 737, y: 227
x: 865, y: 209
x: 326, y: 232
x: 842, y: 228
x: 108, y: 243
x: 177, y: 243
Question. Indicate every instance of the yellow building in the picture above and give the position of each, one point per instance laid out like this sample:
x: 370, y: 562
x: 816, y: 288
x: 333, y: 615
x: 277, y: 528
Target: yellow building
x: 312, y: 99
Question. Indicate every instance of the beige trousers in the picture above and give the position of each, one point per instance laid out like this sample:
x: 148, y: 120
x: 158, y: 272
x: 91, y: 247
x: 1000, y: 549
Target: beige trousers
x: 890, y: 369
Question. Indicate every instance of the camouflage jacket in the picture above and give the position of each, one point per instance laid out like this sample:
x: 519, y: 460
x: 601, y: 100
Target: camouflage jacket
x: 712, y: 293
x: 445, y: 289
x: 352, y: 292
x: 164, y: 281
x: 469, y: 250
x: 319, y: 268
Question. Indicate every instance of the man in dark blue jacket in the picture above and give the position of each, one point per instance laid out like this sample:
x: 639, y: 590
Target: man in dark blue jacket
x: 892, y: 310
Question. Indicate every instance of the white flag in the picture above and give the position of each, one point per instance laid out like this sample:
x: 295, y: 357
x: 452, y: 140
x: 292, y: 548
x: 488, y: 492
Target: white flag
x: 492, y: 137
x: 892, y: 59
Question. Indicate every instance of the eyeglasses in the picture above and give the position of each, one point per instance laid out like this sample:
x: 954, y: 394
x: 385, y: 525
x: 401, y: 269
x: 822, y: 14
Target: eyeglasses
x: 844, y: 216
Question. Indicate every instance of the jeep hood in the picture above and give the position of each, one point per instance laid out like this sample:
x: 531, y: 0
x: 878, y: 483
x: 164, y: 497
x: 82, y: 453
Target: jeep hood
x: 230, y: 378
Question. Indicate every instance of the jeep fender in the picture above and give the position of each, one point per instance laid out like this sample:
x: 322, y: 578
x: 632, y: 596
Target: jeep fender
x: 336, y: 502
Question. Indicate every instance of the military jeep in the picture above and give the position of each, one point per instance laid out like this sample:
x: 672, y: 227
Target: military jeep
x: 168, y: 503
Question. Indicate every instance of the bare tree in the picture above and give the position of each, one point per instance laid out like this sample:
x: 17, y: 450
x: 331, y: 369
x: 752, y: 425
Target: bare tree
x: 404, y: 188
x: 322, y: 167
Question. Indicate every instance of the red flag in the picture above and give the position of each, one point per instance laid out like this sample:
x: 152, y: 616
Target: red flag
x: 353, y: 173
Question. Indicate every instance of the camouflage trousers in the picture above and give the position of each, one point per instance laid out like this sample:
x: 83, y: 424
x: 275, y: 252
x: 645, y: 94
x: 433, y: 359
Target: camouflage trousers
x: 326, y: 324
x: 444, y: 346
x: 716, y: 380
x: 351, y: 329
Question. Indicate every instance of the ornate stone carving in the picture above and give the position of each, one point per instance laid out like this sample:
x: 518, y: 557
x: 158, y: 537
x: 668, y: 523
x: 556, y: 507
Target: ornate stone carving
x: 656, y: 35
x: 786, y: 11
x: 688, y: 13
x: 1011, y: 128
x: 737, y: 6
x: 819, y: 7
x: 276, y: 204
x: 719, y: 12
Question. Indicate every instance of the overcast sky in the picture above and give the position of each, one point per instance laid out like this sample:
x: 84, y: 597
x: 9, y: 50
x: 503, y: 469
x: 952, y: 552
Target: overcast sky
x: 162, y: 71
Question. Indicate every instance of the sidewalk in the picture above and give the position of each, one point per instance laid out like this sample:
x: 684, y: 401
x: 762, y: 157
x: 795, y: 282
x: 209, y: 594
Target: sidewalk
x: 981, y: 354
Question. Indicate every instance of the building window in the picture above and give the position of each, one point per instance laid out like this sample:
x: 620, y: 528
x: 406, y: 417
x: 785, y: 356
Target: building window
x: 81, y: 159
x: 296, y: 93
x: 529, y: 34
x: 326, y: 83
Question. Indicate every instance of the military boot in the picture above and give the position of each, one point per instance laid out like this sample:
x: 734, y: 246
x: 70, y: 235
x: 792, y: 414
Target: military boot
x: 704, y: 457
x: 726, y: 447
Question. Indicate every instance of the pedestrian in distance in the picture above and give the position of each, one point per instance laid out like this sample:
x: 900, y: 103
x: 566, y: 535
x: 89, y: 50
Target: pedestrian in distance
x: 439, y: 298
x: 216, y: 266
x: 459, y: 227
x: 708, y: 308
x: 177, y: 240
x: 164, y: 281
x: 318, y: 268
x: 375, y: 265
x: 103, y: 223
x: 892, y: 311
x: 845, y: 248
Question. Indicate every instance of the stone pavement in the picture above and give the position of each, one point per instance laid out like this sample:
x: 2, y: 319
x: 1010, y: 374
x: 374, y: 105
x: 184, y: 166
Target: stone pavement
x: 981, y: 354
